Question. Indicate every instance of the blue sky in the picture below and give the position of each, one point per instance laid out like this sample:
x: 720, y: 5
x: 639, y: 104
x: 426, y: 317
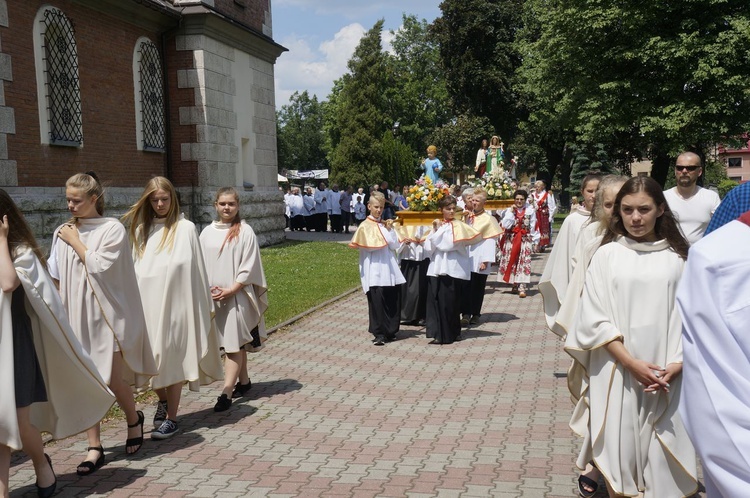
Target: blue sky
x: 321, y: 36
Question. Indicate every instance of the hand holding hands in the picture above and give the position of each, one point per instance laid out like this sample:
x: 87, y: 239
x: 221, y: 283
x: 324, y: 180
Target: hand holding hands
x: 221, y: 293
x: 650, y: 375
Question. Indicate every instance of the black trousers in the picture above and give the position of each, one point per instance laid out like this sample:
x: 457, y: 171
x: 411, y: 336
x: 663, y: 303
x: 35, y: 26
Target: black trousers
x: 297, y: 222
x: 414, y: 291
x: 322, y: 225
x: 472, y: 294
x: 346, y: 217
x: 384, y: 308
x: 310, y: 222
x: 443, y: 309
x: 336, y: 223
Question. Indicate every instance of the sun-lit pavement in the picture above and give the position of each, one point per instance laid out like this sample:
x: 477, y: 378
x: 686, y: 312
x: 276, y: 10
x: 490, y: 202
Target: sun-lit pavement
x: 330, y: 414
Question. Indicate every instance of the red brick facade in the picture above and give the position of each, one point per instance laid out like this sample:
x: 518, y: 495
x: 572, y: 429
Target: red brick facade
x: 251, y: 13
x: 183, y: 173
x: 108, y: 109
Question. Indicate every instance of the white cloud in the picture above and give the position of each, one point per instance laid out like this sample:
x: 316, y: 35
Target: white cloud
x: 314, y: 70
x: 356, y: 9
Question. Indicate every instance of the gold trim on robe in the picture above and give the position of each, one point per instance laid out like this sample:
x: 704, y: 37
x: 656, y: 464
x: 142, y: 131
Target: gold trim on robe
x: 410, y: 232
x: 464, y: 233
x: 368, y: 236
x: 487, y: 225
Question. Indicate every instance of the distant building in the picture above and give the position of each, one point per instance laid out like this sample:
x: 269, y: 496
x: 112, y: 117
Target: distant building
x: 134, y: 89
x: 737, y: 162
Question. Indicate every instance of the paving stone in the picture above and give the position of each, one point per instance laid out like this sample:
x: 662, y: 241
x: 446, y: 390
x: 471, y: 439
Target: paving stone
x: 329, y: 415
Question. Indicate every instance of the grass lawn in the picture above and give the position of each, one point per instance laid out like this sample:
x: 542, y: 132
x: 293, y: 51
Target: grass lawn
x: 301, y: 275
x: 559, y: 218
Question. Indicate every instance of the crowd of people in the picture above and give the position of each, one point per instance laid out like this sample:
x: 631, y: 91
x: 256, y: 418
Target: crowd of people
x: 652, y: 311
x: 649, y: 309
x: 614, y: 291
x: 115, y: 310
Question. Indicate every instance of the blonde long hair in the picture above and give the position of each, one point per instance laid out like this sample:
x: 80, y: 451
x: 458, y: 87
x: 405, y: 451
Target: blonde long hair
x: 141, y: 216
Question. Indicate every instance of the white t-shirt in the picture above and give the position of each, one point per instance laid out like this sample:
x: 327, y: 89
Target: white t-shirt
x: 693, y: 214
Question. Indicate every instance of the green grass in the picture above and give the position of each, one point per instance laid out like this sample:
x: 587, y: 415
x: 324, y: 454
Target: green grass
x: 301, y: 275
x: 559, y: 218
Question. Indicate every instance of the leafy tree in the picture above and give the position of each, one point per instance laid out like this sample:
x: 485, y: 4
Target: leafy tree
x: 587, y: 160
x: 300, y: 133
x: 398, y: 160
x: 458, y: 141
x: 417, y: 94
x: 360, y: 118
x: 476, y: 39
x: 648, y: 78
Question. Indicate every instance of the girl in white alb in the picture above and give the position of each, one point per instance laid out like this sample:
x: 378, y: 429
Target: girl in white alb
x: 176, y: 300
x: 239, y: 291
x: 91, y: 258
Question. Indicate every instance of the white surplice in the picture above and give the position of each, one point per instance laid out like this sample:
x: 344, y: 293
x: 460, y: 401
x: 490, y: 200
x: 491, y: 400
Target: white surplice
x: 554, y: 280
x: 447, y: 257
x: 77, y: 396
x: 102, y: 298
x: 177, y: 305
x: 714, y: 300
x: 378, y: 265
x: 238, y: 261
x: 637, y: 441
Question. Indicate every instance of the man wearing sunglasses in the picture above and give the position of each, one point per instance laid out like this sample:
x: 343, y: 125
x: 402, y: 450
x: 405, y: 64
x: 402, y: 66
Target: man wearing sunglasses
x: 691, y: 204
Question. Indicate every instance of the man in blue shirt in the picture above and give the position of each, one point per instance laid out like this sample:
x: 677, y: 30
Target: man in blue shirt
x: 734, y: 204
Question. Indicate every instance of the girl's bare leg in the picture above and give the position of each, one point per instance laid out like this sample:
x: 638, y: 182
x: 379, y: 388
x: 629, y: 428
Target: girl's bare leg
x: 243, y: 377
x: 4, y: 470
x: 33, y: 446
x: 232, y: 370
x: 173, y: 392
x: 161, y: 393
x: 124, y: 395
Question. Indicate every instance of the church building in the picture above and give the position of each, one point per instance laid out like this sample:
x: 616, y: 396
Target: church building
x: 133, y: 89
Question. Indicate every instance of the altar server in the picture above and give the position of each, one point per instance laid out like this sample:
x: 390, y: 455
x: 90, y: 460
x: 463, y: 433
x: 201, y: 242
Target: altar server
x: 49, y: 383
x: 91, y: 259
x: 239, y: 291
x: 450, y: 266
x: 482, y: 256
x: 628, y: 340
x: 379, y: 271
x: 554, y: 280
x: 176, y: 300
x: 414, y: 263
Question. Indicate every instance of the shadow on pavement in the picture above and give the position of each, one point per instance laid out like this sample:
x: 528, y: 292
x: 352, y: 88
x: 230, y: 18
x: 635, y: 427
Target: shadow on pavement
x: 487, y: 318
x: 105, y: 480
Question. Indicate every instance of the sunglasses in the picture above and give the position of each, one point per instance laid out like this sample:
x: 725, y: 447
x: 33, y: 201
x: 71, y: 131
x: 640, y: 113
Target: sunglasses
x: 686, y: 168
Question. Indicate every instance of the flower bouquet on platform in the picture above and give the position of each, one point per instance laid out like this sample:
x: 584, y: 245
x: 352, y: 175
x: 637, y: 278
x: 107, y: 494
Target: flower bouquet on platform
x: 497, y: 183
x: 423, y: 201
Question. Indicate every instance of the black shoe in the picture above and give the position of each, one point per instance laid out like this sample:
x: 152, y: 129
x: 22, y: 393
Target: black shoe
x: 89, y: 467
x: 49, y: 490
x: 379, y: 342
x: 241, y: 390
x: 135, y: 441
x: 223, y: 403
x: 474, y: 320
x: 161, y: 414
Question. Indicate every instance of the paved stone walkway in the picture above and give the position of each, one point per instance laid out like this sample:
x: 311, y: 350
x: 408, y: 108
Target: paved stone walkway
x: 331, y: 415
